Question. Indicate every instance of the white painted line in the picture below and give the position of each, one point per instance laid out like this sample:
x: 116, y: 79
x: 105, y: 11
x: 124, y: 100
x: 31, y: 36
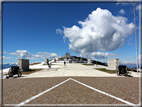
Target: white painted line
x: 28, y: 100
x: 117, y: 98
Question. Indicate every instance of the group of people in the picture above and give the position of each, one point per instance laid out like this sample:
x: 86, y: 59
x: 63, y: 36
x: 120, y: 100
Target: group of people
x: 49, y: 65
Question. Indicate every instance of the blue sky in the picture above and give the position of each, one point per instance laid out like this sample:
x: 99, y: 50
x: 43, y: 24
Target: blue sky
x: 37, y: 31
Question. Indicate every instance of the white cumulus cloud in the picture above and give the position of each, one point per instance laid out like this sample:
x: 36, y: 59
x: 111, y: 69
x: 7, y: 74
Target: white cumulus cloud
x: 100, y: 31
x: 98, y: 55
x: 122, y: 11
x: 47, y: 55
x: 39, y: 55
x: 21, y: 53
x: 59, y: 31
x: 4, y: 57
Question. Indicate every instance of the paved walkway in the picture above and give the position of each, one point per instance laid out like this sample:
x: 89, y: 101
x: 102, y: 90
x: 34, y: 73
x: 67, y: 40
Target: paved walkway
x: 73, y: 69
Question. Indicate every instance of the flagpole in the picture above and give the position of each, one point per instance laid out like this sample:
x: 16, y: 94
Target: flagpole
x: 136, y: 38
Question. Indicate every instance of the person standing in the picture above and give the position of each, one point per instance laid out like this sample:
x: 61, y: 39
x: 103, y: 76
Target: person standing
x: 49, y: 65
x: 64, y: 63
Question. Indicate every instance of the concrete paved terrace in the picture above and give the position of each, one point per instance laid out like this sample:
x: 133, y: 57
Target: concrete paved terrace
x: 71, y: 69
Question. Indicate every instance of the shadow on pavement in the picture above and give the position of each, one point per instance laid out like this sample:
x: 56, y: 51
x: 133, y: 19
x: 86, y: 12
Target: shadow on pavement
x: 14, y: 77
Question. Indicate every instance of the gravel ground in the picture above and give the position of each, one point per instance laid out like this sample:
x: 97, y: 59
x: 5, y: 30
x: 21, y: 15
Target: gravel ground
x: 126, y: 88
x: 16, y: 91
x: 73, y: 93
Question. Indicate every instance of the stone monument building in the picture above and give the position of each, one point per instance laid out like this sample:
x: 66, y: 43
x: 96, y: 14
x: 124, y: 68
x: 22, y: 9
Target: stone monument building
x: 54, y: 60
x: 89, y: 61
x: 67, y: 56
x: 46, y: 61
x: 113, y: 63
x: 23, y: 64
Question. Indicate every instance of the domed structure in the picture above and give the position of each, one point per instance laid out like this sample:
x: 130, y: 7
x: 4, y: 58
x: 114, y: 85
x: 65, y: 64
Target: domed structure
x: 67, y: 56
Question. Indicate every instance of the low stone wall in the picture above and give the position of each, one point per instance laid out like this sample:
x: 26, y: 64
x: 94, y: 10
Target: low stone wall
x: 23, y: 64
x: 113, y: 64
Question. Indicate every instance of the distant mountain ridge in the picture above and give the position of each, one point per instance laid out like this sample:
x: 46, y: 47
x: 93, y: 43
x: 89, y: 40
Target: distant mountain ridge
x: 129, y: 65
x: 8, y: 65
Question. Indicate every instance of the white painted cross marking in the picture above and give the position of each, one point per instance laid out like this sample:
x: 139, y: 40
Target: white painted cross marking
x: 30, y: 99
x: 117, y: 98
